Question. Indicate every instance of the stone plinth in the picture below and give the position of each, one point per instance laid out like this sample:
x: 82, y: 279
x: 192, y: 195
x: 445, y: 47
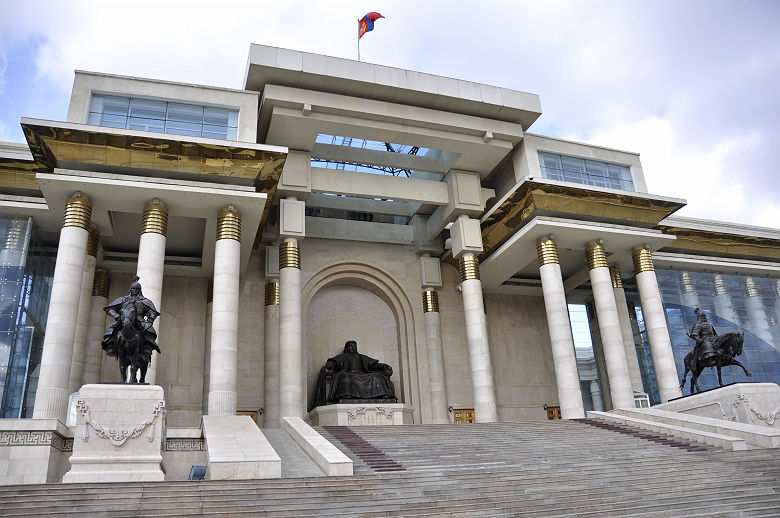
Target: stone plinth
x: 363, y: 414
x: 749, y: 403
x: 119, y: 432
x: 238, y: 450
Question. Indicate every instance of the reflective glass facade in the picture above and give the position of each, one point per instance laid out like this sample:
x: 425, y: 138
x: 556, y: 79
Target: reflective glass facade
x: 589, y: 172
x: 26, y: 271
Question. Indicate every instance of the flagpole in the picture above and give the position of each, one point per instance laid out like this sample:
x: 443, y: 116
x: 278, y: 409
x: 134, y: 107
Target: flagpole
x: 358, y: 40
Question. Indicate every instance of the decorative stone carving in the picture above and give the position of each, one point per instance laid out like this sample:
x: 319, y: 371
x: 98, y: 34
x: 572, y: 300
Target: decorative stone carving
x: 117, y: 436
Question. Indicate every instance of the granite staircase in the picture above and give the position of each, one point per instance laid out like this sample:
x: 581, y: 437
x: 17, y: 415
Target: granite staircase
x: 526, y: 469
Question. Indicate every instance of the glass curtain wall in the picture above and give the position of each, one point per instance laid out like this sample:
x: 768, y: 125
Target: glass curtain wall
x: 26, y: 271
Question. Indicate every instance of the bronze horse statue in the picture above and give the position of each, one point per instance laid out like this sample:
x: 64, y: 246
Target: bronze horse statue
x: 725, y: 347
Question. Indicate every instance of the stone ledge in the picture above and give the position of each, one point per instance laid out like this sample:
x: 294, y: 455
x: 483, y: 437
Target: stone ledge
x: 363, y: 414
x: 238, y: 450
x: 329, y: 458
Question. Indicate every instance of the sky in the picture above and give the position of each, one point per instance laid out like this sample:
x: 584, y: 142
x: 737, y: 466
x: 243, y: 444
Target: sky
x: 691, y: 85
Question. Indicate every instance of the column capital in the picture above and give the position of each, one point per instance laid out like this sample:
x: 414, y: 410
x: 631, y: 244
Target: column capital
x: 687, y: 282
x: 430, y: 299
x: 210, y: 292
x: 155, y: 219
x: 272, y: 293
x: 643, y: 260
x: 93, y: 242
x: 78, y: 212
x: 289, y: 255
x: 468, y: 267
x: 101, y: 284
x: 229, y: 224
x: 720, y: 285
x: 547, y: 251
x: 614, y: 274
x: 596, y: 255
x: 752, y: 287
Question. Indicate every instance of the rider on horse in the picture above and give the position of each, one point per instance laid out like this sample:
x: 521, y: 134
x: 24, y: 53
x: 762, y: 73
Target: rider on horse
x: 705, y: 335
x: 145, y: 315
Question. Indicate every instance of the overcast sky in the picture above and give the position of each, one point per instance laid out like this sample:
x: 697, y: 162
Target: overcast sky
x: 693, y: 86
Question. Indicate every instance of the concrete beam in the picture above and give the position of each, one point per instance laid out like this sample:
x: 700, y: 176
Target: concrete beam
x: 381, y: 158
x: 370, y: 185
x: 353, y: 204
x: 332, y: 228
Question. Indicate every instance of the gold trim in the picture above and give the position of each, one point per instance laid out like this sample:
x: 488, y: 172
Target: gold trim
x: 597, y: 257
x: 547, y: 251
x: 155, y: 219
x: 17, y: 232
x: 289, y: 255
x: 229, y: 224
x: 468, y: 268
x: 210, y: 292
x: 614, y: 274
x: 93, y: 242
x: 78, y: 212
x: 537, y: 198
x: 720, y: 244
x: 643, y: 261
x: 752, y: 287
x: 101, y: 284
x: 720, y: 285
x: 18, y: 177
x: 687, y: 282
x: 272, y: 293
x: 430, y: 300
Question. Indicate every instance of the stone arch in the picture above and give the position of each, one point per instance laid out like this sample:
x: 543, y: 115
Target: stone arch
x: 382, y: 285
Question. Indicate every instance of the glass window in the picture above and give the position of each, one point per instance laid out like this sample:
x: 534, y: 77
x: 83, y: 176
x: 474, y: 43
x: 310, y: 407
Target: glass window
x: 163, y: 117
x: 588, y: 172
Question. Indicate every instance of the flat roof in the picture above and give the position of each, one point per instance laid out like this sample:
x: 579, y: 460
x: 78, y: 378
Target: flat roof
x: 285, y: 67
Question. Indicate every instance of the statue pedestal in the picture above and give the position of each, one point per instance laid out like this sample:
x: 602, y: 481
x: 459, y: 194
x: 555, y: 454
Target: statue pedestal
x: 119, y: 433
x: 361, y: 414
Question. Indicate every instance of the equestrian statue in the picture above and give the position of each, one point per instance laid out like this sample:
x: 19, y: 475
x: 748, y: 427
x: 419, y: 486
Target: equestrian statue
x: 131, y: 337
x: 710, y: 350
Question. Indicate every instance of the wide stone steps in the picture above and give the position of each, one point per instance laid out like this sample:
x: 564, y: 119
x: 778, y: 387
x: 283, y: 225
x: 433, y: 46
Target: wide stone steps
x: 562, y: 469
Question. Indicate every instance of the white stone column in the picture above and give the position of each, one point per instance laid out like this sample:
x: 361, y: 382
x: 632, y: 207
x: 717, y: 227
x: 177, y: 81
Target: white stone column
x: 271, y: 379
x: 564, y: 360
x: 723, y: 304
x: 609, y: 327
x: 224, y: 315
x: 291, y: 394
x: 82, y: 319
x: 439, y: 413
x: 51, y: 400
x: 595, y: 396
x: 755, y: 310
x: 151, y: 262
x: 207, y: 348
x: 97, y: 326
x: 655, y: 324
x: 634, y: 372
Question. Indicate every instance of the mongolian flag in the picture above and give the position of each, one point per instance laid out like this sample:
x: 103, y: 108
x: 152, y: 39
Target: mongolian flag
x: 366, y: 24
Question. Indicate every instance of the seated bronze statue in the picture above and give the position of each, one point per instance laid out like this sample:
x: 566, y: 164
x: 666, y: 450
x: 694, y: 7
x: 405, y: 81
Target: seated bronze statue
x: 351, y: 375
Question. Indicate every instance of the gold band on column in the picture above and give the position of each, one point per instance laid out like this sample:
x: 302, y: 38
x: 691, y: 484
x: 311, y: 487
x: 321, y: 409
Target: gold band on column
x: 155, y: 220
x: 687, y: 282
x: 468, y: 268
x: 643, y: 261
x: 777, y: 286
x: 229, y: 224
x: 614, y: 274
x: 590, y: 308
x: 720, y: 285
x: 597, y: 257
x: 430, y: 299
x: 289, y: 255
x: 78, y: 212
x: 101, y: 284
x: 547, y: 251
x: 93, y: 240
x: 752, y: 287
x: 272, y: 293
x: 210, y: 292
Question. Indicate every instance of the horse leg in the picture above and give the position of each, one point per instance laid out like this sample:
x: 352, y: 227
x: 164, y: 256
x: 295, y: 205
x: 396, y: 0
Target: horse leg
x: 685, y: 375
x: 720, y: 380
x: 122, y: 371
x: 738, y: 364
x: 143, y: 368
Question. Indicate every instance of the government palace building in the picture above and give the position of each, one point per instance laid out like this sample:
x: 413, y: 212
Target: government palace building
x: 331, y: 200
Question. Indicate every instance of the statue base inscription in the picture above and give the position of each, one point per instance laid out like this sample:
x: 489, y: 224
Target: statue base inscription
x: 119, y: 434
x: 364, y: 413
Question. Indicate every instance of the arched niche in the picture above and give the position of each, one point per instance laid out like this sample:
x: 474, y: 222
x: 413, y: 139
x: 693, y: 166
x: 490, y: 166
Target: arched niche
x: 380, y: 285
